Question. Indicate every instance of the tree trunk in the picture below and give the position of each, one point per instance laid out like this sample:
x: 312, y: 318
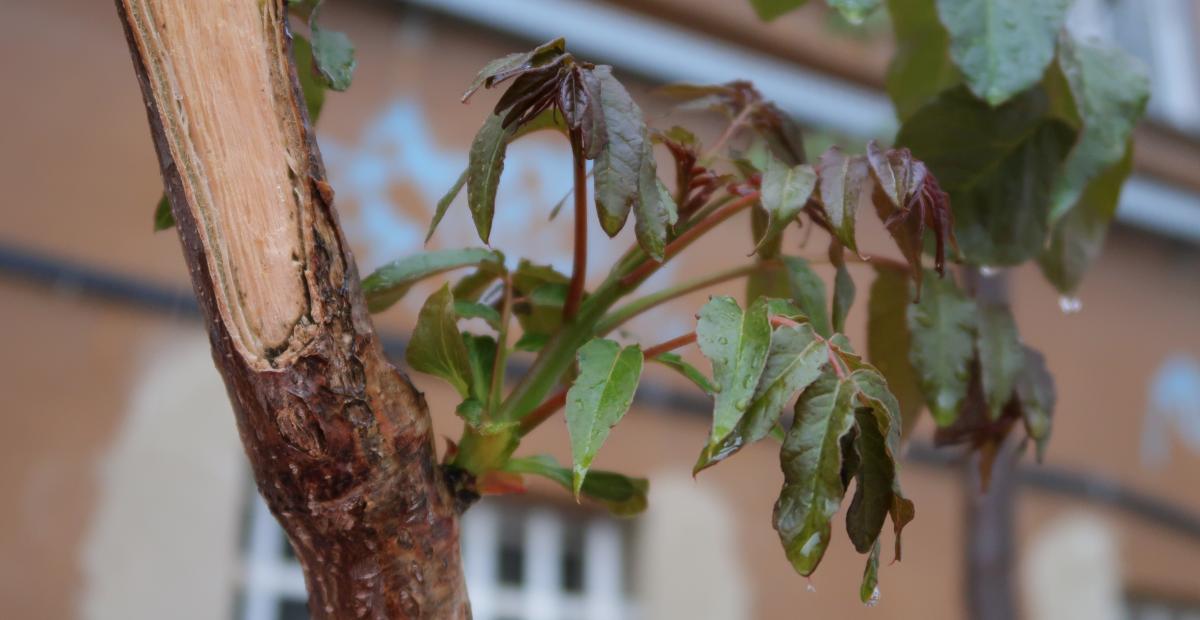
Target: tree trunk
x: 338, y: 439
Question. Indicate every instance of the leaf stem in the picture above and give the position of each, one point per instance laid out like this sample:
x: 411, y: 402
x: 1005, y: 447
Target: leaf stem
x: 669, y: 345
x: 579, y: 268
x: 734, y: 125
x: 642, y: 304
x: 649, y: 266
x: 500, y: 364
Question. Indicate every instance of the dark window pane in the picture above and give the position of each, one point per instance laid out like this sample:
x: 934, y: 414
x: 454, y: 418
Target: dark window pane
x: 511, y: 551
x: 293, y: 610
x: 572, y: 558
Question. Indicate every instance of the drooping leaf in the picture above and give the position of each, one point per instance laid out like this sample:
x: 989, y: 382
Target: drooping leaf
x: 485, y: 163
x: 843, y: 179
x: 444, y: 203
x: 770, y: 9
x: 873, y: 392
x: 942, y: 328
x: 1078, y: 237
x: 436, y: 348
x: 998, y: 165
x: 1036, y: 395
x: 843, y: 288
x: 654, y: 210
x: 854, y: 11
x: 784, y: 193
x: 811, y: 459
x: 508, y: 66
x: 617, y: 170
x: 737, y: 344
x: 796, y: 358
x: 1001, y: 356
x: 808, y: 293
x: 622, y: 495
x: 675, y: 362
x: 873, y: 491
x: 598, y: 398
x: 921, y: 67
x: 868, y: 592
x: 1109, y: 90
x: 332, y: 53
x: 888, y: 341
x: 388, y: 284
x: 1002, y: 46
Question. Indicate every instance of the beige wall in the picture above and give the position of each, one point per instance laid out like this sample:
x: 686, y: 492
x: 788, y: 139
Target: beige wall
x: 81, y: 180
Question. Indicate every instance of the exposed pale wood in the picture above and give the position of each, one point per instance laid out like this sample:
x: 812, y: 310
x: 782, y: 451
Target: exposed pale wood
x: 339, y: 440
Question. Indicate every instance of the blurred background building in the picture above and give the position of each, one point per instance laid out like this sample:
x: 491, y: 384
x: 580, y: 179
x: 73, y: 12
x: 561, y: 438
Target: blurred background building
x: 126, y: 495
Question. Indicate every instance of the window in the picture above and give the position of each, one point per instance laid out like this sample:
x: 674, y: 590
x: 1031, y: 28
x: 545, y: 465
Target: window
x: 523, y: 561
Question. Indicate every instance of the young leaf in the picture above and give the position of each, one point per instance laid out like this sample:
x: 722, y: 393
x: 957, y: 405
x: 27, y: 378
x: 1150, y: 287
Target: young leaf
x: 598, y: 398
x: 675, y: 362
x: 388, y: 284
x: 485, y: 162
x: 942, y: 325
x: 873, y: 392
x: 481, y: 358
x: 868, y: 592
x: 796, y: 358
x: 921, y: 67
x: 512, y: 64
x: 617, y: 169
x: 811, y: 458
x: 655, y: 209
x: 1109, y: 90
x: 784, y: 193
x: 622, y: 495
x: 998, y: 165
x: 843, y: 178
x: 1036, y: 395
x: 843, y: 288
x: 444, y: 203
x: 854, y: 11
x: 808, y: 293
x: 311, y: 87
x: 888, y: 341
x: 1001, y: 356
x: 1002, y: 46
x: 163, y: 218
x: 737, y: 344
x: 873, y: 491
x: 436, y: 348
x: 909, y: 201
x: 332, y: 53
x: 770, y: 9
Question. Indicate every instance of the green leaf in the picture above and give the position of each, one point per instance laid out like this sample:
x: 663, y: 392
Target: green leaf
x: 1109, y: 90
x: 843, y: 289
x: 784, y: 193
x: 811, y: 459
x: 868, y: 592
x: 310, y: 84
x: 655, y: 210
x: 737, y: 344
x: 545, y: 292
x: 622, y: 495
x: 921, y: 67
x: 471, y: 411
x: 332, y: 53
x: 436, y: 348
x: 598, y: 398
x: 617, y: 169
x: 388, y: 284
x: 481, y: 357
x: 444, y: 203
x: 854, y: 11
x: 1036, y: 395
x: 888, y: 341
x: 942, y: 325
x: 473, y: 285
x: 675, y: 362
x: 997, y: 164
x: 873, y: 491
x: 873, y: 392
x: 476, y: 310
x: 796, y: 358
x: 531, y: 343
x: 843, y: 178
x: 808, y: 293
x: 163, y: 218
x: 485, y: 163
x: 1078, y: 237
x: 1001, y: 356
x: 770, y: 9
x: 1002, y: 46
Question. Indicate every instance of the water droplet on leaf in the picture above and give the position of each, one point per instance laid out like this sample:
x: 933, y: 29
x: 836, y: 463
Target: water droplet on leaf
x: 874, y: 600
x: 1069, y: 305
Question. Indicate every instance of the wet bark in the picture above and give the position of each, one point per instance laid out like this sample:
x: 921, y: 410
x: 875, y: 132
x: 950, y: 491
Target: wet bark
x: 338, y: 439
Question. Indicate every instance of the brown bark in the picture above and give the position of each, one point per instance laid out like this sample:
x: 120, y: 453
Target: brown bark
x: 338, y: 439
